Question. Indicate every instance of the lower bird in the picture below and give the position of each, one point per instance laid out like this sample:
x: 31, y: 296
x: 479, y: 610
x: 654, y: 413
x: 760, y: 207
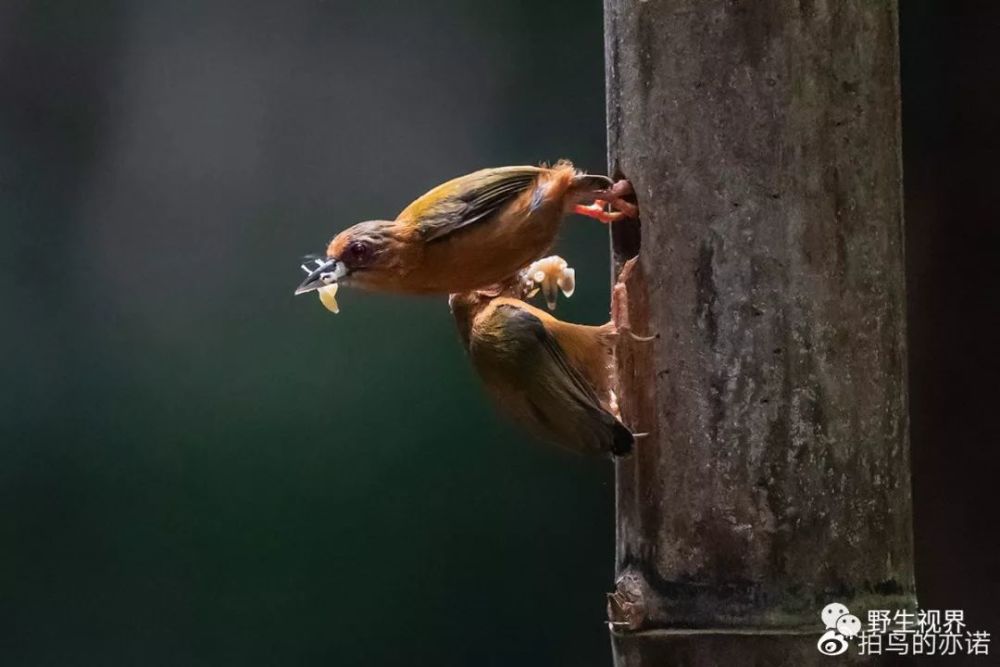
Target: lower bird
x: 473, y: 231
x: 550, y: 376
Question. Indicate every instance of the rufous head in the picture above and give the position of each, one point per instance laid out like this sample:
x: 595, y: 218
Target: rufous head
x: 361, y: 254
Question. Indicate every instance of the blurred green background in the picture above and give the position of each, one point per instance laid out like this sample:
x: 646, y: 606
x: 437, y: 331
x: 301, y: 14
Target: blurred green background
x: 197, y: 468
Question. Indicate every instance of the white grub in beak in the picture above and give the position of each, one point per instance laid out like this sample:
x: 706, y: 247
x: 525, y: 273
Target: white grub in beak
x: 328, y: 297
x: 553, y: 275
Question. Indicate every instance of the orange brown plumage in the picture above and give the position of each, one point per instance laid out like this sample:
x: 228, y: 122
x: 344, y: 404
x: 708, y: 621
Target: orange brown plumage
x: 471, y: 231
x: 550, y: 376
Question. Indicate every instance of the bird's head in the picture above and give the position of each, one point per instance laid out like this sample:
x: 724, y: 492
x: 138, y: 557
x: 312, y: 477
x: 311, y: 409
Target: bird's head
x: 464, y: 305
x: 475, y: 300
x: 360, y: 255
x: 464, y: 308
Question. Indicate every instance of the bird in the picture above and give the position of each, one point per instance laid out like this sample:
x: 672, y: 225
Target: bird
x: 472, y: 231
x: 550, y: 376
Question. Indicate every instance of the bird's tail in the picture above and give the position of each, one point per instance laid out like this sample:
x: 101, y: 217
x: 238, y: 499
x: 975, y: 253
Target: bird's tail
x: 622, y: 439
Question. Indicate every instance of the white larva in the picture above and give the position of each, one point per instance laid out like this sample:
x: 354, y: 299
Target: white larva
x: 328, y: 297
x: 553, y: 275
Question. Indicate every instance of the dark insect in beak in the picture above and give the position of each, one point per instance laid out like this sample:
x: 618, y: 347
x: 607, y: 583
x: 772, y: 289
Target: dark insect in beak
x: 320, y: 272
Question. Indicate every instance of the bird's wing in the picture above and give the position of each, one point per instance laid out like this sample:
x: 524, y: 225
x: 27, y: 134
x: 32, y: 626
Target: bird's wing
x: 466, y: 200
x: 541, y: 348
x: 533, y: 378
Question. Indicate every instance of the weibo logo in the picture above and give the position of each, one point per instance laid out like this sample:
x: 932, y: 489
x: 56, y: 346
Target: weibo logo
x: 840, y: 624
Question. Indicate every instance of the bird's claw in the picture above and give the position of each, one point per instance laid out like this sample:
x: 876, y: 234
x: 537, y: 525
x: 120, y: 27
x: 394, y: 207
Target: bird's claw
x: 622, y: 188
x: 597, y: 211
x: 636, y: 337
x: 616, y: 198
x: 625, y: 209
x: 641, y: 339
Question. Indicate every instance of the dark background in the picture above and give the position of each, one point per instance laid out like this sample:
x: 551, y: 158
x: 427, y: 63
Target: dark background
x: 198, y: 469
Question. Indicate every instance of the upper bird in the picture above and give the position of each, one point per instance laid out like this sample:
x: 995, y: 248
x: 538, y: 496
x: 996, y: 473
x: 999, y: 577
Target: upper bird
x: 473, y: 231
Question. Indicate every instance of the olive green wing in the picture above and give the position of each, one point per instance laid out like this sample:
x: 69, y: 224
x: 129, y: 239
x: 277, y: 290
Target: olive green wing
x: 551, y: 356
x: 561, y: 402
x: 468, y: 200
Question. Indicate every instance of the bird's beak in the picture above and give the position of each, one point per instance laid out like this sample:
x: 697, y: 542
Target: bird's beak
x: 321, y: 273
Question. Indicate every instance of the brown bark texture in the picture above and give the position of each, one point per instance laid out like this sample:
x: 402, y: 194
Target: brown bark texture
x: 763, y: 142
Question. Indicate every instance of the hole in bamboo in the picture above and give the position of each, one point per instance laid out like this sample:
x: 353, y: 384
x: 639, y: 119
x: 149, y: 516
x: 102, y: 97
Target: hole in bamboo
x: 626, y: 235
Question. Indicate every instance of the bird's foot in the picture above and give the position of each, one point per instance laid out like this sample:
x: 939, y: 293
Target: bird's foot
x: 621, y: 189
x: 636, y: 337
x: 615, y: 196
x: 598, y: 211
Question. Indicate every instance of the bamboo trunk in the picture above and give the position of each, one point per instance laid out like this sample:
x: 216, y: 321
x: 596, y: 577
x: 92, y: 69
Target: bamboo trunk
x: 763, y: 142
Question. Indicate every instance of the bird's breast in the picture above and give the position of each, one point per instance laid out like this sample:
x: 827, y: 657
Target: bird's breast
x: 488, y: 253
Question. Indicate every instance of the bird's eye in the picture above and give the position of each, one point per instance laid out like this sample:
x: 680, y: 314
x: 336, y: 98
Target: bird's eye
x: 359, y: 251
